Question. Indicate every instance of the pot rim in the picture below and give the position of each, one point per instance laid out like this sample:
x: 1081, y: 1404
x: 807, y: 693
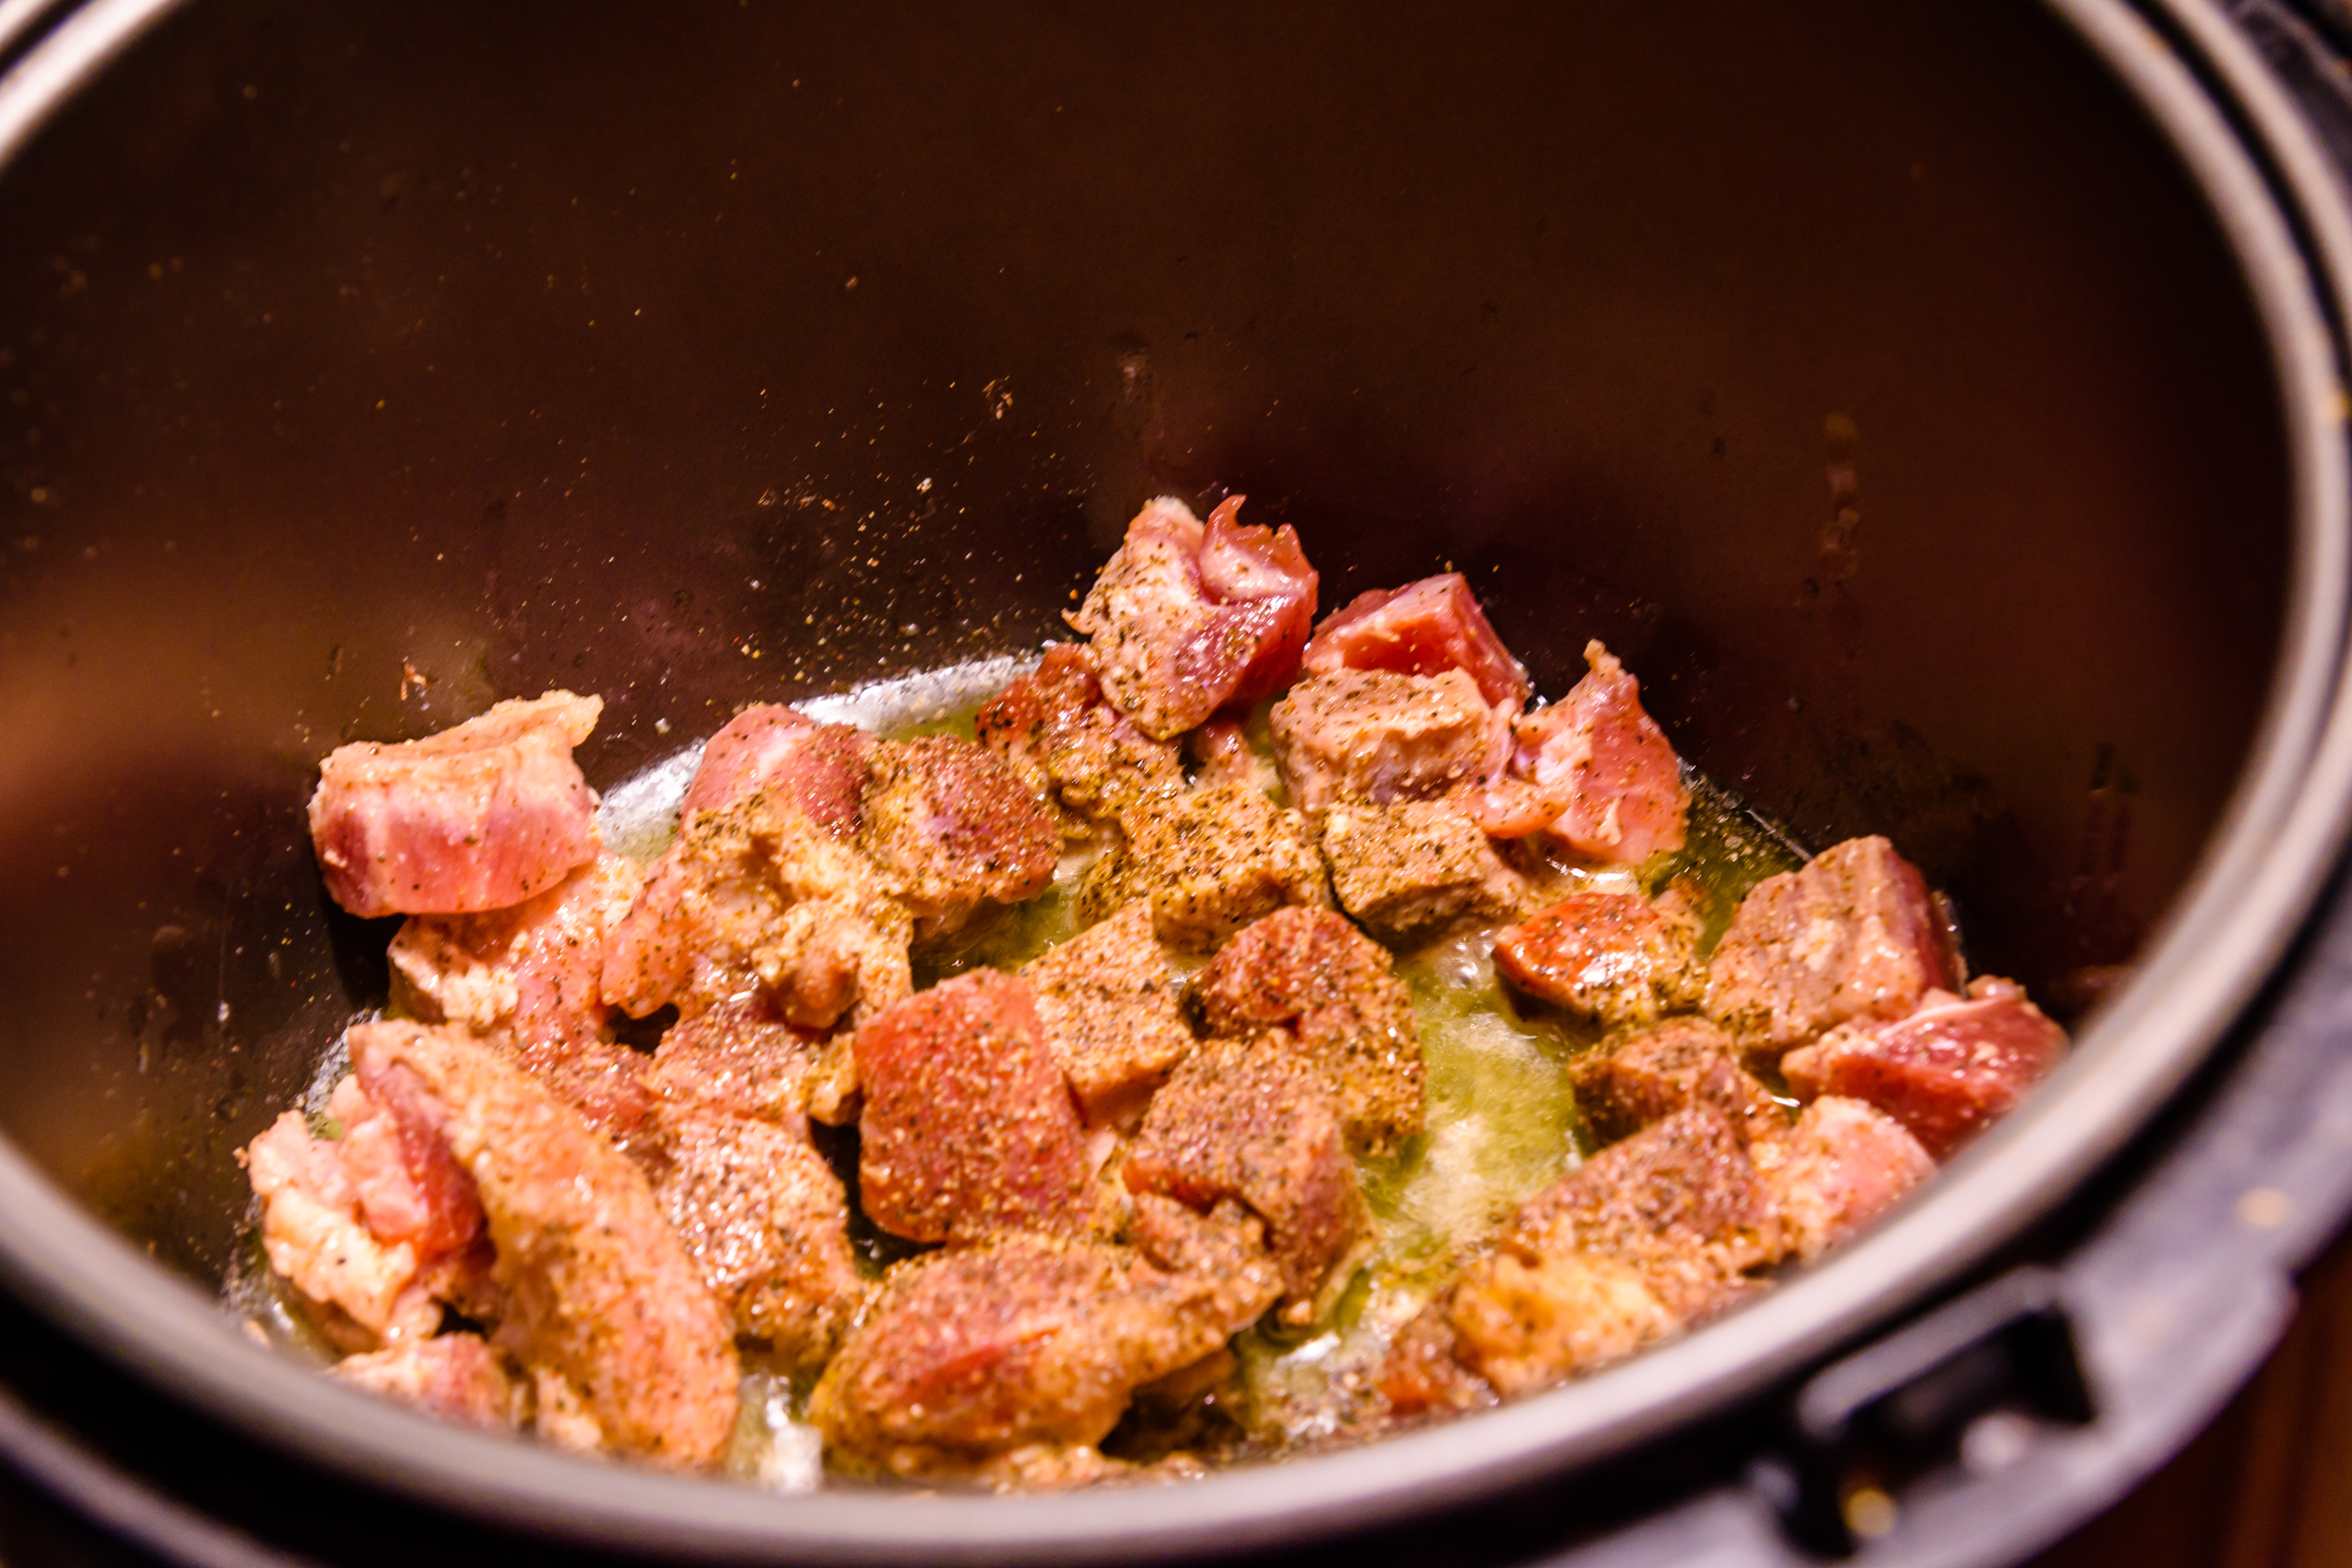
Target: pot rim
x: 2273, y: 191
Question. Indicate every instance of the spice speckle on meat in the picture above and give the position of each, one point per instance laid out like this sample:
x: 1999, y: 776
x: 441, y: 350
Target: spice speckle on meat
x: 1206, y: 863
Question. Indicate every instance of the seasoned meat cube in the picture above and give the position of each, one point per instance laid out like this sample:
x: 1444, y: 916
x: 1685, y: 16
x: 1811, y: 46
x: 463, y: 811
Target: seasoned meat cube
x: 1422, y: 1371
x: 1410, y: 868
x: 1626, y: 1084
x: 1592, y: 771
x: 1851, y: 934
x: 1423, y: 628
x: 1369, y: 735
x: 1525, y: 1325
x: 531, y: 976
x: 1113, y: 1013
x: 765, y: 1222
x: 971, y: 1352
x: 1221, y: 754
x: 755, y: 899
x: 741, y: 1058
x: 1186, y: 619
x: 1947, y: 1072
x: 968, y: 1125
x: 455, y: 1377
x: 1208, y: 863
x: 597, y: 1287
x: 1842, y: 1165
x: 1250, y: 1122
x: 1614, y: 957
x: 533, y: 971
x: 1061, y: 736
x: 484, y: 814
x: 821, y: 768
x: 409, y: 1187
x: 316, y: 1234
x: 1326, y: 988
x: 1678, y: 1203
x: 954, y: 827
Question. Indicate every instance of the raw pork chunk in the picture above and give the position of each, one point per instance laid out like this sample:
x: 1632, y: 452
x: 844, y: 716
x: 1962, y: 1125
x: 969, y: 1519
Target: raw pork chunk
x: 1408, y: 869
x: 1373, y: 736
x: 1613, y: 957
x: 1207, y: 862
x: 969, y: 1125
x: 821, y: 767
x: 1330, y: 993
x: 1056, y: 730
x: 765, y: 1222
x: 1842, y: 1165
x: 755, y: 899
x: 1947, y: 1071
x: 1113, y: 1012
x: 1625, y: 1084
x: 741, y: 1058
x: 456, y: 1376
x: 1185, y: 619
x: 953, y: 829
x: 1592, y: 771
x: 483, y: 815
x: 969, y: 1355
x: 1252, y: 1122
x: 1851, y: 934
x: 600, y: 1301
x: 1423, y: 629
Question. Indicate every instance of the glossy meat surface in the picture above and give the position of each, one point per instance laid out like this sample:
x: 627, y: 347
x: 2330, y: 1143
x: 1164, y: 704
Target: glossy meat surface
x: 1844, y: 1164
x: 1423, y: 628
x: 951, y: 828
x: 1947, y: 1071
x: 1616, y: 958
x: 820, y: 767
x: 1625, y: 1084
x: 1186, y: 618
x: 1594, y: 771
x: 481, y: 816
x: 1377, y: 737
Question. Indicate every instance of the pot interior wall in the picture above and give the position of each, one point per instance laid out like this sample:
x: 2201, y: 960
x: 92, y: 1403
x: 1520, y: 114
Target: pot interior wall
x: 1868, y: 377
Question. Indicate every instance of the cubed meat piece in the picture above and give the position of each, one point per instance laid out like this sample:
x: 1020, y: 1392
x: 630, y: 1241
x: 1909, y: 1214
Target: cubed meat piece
x: 456, y: 1376
x: 1423, y: 628
x: 1592, y: 771
x: 821, y: 768
x: 599, y: 1290
x: 1207, y: 863
x: 765, y: 1222
x: 1057, y: 731
x: 1221, y: 754
x: 1526, y: 1325
x: 971, y: 1352
x: 1422, y: 1372
x: 756, y: 899
x: 1851, y: 934
x: 1327, y: 989
x: 484, y: 814
x: 316, y: 1236
x: 954, y: 827
x: 741, y: 1058
x: 1377, y: 737
x: 1947, y: 1072
x: 1185, y: 619
x: 1625, y: 1084
x: 1842, y: 1166
x: 1113, y: 1013
x: 1252, y: 1122
x: 531, y: 976
x: 1409, y: 869
x: 397, y: 1160
x: 968, y: 1125
x: 1678, y: 1203
x: 1616, y: 958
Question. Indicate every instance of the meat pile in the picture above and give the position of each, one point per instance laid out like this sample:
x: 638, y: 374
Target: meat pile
x: 507, y: 1215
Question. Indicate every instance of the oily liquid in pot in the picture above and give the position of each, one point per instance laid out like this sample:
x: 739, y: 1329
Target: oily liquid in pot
x: 1501, y: 1121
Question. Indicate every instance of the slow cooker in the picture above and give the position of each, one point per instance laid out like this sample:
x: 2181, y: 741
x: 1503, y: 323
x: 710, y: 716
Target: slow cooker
x: 1941, y: 407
